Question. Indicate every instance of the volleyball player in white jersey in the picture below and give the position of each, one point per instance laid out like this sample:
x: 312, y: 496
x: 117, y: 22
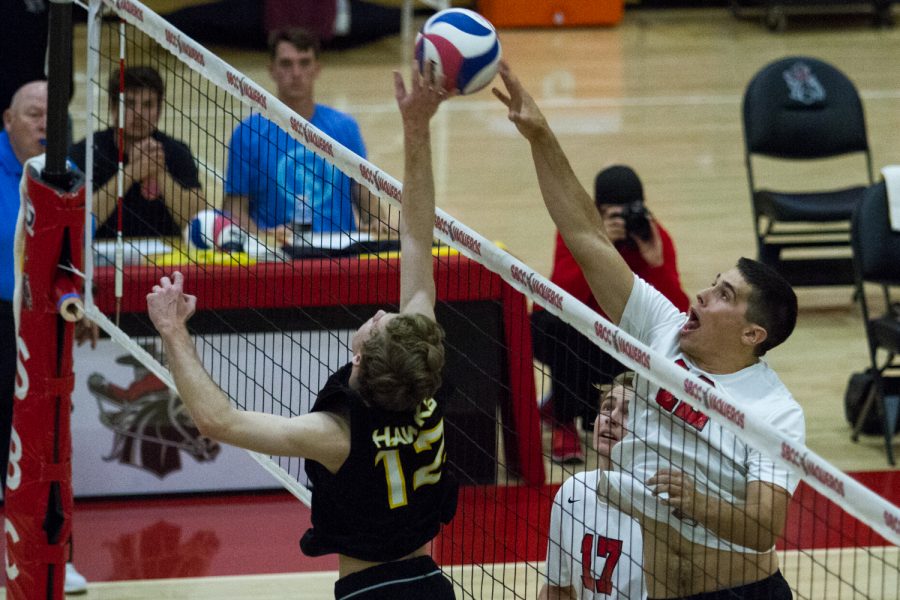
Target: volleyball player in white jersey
x: 711, y: 508
x: 594, y: 550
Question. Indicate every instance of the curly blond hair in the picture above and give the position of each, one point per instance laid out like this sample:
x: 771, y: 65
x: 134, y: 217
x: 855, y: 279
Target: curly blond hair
x: 401, y: 364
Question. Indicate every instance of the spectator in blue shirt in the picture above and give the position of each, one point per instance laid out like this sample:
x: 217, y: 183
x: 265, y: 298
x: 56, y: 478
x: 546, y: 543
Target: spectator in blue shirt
x: 23, y: 136
x: 273, y: 184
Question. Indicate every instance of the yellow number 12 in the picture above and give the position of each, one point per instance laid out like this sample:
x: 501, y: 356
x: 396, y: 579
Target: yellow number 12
x: 427, y: 475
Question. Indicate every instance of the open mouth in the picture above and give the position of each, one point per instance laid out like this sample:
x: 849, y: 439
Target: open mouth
x: 609, y: 436
x: 693, y: 322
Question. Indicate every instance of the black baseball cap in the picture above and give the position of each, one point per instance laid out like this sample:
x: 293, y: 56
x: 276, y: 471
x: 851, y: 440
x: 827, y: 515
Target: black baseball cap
x: 617, y: 185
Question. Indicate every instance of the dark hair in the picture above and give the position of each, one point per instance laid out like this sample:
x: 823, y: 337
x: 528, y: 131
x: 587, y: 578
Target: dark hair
x: 617, y: 184
x: 299, y: 38
x: 401, y: 364
x: 136, y: 78
x: 772, y: 303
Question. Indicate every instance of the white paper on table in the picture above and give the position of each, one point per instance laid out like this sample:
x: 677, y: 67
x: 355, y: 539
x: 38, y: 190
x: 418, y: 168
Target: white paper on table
x: 136, y: 250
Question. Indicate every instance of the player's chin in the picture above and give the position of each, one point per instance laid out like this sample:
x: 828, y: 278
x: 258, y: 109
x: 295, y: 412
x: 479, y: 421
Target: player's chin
x: 688, y: 341
x: 605, y: 445
x: 144, y: 132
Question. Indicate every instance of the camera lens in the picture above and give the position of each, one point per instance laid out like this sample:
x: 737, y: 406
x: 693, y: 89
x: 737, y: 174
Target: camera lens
x: 636, y: 222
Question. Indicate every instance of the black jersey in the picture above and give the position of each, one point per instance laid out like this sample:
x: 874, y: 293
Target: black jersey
x: 392, y: 493
x: 143, y: 216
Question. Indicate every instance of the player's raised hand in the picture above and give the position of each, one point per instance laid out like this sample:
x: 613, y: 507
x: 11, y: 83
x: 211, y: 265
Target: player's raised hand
x: 168, y: 306
x: 523, y: 111
x: 426, y: 92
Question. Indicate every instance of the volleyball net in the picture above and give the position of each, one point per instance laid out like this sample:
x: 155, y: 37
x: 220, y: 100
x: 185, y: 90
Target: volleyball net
x: 273, y: 322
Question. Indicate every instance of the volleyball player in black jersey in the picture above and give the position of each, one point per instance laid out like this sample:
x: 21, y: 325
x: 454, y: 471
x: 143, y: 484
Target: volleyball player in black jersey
x: 375, y: 437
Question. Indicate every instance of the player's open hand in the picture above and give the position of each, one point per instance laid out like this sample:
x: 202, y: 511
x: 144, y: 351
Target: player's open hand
x: 168, y: 306
x: 523, y: 110
x: 426, y: 92
x: 679, y: 491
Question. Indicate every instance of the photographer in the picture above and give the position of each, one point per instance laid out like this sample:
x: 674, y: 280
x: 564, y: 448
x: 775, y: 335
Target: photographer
x: 576, y: 364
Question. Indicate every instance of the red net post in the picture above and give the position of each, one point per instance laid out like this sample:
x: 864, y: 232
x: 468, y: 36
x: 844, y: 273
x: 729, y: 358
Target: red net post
x: 39, y: 483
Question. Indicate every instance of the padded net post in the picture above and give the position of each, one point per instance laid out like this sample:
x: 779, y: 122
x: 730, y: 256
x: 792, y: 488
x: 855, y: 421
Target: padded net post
x: 39, y: 482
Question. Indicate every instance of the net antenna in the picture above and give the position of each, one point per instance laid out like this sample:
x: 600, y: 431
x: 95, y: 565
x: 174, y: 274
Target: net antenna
x: 120, y: 176
x: 858, y: 556
x: 59, y: 90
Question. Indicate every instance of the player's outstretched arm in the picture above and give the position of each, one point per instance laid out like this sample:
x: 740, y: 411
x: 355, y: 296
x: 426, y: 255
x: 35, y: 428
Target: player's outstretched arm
x: 320, y: 436
x: 570, y: 206
x: 417, y: 105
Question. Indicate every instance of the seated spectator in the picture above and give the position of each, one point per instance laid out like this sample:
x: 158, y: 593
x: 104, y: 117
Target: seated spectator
x: 576, y: 364
x: 585, y: 529
x: 273, y: 183
x: 161, y: 182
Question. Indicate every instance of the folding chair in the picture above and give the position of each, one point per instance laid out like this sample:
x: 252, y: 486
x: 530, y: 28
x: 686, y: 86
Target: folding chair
x: 803, y: 109
x: 876, y: 255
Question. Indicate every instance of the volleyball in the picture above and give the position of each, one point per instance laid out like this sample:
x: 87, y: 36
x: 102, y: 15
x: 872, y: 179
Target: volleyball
x: 214, y: 230
x: 463, y: 46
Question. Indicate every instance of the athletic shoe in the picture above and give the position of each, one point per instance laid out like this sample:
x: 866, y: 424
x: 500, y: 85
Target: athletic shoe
x: 75, y: 581
x: 565, y: 444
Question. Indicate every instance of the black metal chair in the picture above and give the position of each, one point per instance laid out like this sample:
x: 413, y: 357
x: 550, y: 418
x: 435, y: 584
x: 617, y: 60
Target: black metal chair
x: 803, y: 109
x: 876, y: 255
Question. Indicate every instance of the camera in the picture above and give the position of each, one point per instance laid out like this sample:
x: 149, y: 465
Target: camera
x: 636, y: 220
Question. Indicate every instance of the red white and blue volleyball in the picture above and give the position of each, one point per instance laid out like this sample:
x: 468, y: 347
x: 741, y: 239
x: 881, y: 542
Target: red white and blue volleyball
x: 463, y: 47
x: 214, y: 230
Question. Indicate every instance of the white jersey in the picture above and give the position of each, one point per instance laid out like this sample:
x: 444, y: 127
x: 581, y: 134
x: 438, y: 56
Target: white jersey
x: 666, y: 433
x: 593, y: 547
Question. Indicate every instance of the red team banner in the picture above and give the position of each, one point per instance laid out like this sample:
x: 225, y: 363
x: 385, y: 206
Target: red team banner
x: 39, y: 485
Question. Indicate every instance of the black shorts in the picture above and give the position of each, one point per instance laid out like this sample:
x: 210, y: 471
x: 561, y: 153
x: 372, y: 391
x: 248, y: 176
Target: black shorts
x: 411, y: 579
x: 773, y: 587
